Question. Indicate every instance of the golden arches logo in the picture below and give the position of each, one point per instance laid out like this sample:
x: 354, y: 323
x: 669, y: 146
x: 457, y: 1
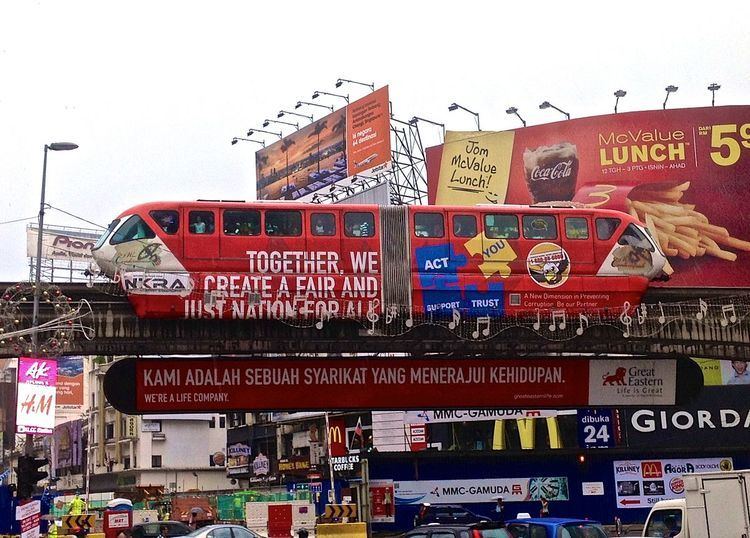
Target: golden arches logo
x: 335, y: 434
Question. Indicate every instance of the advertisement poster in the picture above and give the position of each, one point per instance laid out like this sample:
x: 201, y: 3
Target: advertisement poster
x: 482, y: 490
x: 58, y: 244
x: 615, y: 382
x: 681, y: 172
x: 381, y: 501
x: 29, y: 516
x: 67, y: 448
x: 35, y: 410
x: 352, y: 140
x: 642, y: 483
x: 69, y: 384
x: 596, y: 428
x: 718, y: 372
x: 238, y: 459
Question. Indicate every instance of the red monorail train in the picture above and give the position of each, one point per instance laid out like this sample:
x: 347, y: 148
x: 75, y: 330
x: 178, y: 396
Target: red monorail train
x: 234, y: 260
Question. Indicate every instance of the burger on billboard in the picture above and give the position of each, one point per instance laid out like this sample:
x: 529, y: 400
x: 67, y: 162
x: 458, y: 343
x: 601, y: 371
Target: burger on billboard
x: 680, y: 172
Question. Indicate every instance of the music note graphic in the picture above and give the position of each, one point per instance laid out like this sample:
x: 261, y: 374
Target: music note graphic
x: 642, y: 314
x: 703, y: 309
x: 538, y: 322
x: 662, y: 318
x: 732, y: 319
x: 581, y: 319
x: 372, y: 316
x: 456, y: 319
x: 557, y: 314
x: 391, y: 314
x: 482, y: 320
x: 410, y: 320
x: 326, y: 317
x: 626, y: 319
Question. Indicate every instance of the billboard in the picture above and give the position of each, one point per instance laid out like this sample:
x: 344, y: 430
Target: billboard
x: 681, y: 172
x: 641, y: 484
x: 149, y: 385
x: 67, y: 448
x: 35, y: 408
x: 69, y: 384
x: 61, y: 244
x: 552, y: 488
x: 352, y: 140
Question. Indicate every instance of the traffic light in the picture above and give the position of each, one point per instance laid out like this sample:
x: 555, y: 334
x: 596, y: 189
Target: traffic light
x: 28, y: 474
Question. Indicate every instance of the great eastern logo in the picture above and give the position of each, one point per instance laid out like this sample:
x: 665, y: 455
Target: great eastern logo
x: 618, y: 378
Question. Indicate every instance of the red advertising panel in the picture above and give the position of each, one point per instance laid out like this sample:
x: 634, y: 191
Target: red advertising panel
x: 681, y: 172
x: 337, y: 436
x: 352, y: 140
x: 226, y: 385
x: 35, y: 410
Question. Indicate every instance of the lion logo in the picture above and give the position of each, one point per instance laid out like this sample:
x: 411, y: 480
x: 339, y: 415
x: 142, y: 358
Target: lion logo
x: 618, y: 378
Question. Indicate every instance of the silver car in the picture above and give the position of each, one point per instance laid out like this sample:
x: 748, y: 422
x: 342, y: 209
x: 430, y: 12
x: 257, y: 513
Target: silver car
x: 223, y: 531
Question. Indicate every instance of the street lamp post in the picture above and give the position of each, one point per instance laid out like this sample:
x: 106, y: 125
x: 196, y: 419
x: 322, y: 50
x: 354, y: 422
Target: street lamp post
x: 282, y: 112
x: 237, y: 139
x: 713, y: 88
x: 318, y: 93
x: 340, y: 81
x: 268, y: 122
x: 416, y: 119
x: 514, y: 110
x: 454, y: 106
x: 669, y: 89
x: 54, y: 146
x: 618, y: 94
x: 255, y: 129
x: 300, y: 103
x: 547, y: 104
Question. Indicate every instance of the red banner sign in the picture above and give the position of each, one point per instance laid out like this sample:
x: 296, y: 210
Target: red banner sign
x: 681, y: 172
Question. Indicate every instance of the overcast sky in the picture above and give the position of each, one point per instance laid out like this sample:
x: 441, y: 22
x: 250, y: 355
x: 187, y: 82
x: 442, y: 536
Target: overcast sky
x: 154, y: 91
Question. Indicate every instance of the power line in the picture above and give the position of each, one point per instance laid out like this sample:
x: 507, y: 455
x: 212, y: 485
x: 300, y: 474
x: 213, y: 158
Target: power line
x: 17, y: 220
x: 77, y: 217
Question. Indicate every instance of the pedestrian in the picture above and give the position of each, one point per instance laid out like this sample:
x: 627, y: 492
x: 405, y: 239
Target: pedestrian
x: 77, y: 506
x: 388, y: 502
x: 500, y: 509
x: 164, y: 531
x: 544, y: 511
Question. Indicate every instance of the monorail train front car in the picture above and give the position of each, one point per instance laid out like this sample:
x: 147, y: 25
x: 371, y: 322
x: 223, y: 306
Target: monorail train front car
x: 233, y: 260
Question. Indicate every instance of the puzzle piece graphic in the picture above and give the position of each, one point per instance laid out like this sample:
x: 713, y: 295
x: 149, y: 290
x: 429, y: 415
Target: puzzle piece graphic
x: 496, y: 253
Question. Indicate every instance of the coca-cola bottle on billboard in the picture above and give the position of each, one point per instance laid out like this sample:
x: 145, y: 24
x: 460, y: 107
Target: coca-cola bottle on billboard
x: 551, y: 172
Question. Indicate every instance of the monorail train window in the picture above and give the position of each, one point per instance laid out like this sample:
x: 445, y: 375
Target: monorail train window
x: 359, y: 224
x: 284, y: 223
x: 323, y: 224
x: 576, y: 228
x: 201, y: 222
x: 498, y: 226
x: 429, y: 225
x: 605, y: 227
x: 134, y: 228
x: 245, y: 222
x: 167, y: 219
x: 105, y: 235
x: 539, y: 227
x: 464, y: 225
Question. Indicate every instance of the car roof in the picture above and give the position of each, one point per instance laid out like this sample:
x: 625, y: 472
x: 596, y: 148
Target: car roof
x: 551, y: 520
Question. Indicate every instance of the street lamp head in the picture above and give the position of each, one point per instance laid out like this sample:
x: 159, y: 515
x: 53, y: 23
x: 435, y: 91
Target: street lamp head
x: 250, y: 132
x: 452, y: 107
x: 339, y: 82
x: 713, y: 87
x: 671, y: 89
x: 299, y: 104
x: 234, y: 141
x: 545, y: 104
x: 413, y: 121
x: 315, y: 95
x: 511, y: 110
x: 280, y: 114
x: 62, y: 146
x: 266, y: 123
x: 620, y: 93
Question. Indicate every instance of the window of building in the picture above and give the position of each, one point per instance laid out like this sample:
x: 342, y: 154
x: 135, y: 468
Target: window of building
x: 359, y: 224
x: 133, y: 229
x: 323, y: 224
x: 201, y: 222
x: 605, y: 227
x: 155, y: 461
x: 576, y: 228
x: 539, y: 227
x: 222, y: 421
x: 109, y: 431
x: 212, y: 422
x: 429, y: 225
x: 242, y: 222
x: 236, y: 420
x: 498, y: 226
x: 167, y: 219
x: 284, y: 223
x: 464, y: 225
x: 126, y: 463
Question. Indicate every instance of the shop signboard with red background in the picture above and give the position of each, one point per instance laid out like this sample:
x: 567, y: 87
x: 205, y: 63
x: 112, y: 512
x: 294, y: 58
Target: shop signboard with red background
x: 35, y: 410
x: 689, y: 163
x: 352, y: 140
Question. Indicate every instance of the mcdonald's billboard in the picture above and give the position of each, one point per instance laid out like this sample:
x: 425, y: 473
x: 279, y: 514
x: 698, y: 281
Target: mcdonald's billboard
x: 337, y: 436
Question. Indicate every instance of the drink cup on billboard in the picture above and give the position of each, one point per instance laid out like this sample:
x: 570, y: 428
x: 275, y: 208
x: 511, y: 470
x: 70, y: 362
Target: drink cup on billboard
x: 551, y: 172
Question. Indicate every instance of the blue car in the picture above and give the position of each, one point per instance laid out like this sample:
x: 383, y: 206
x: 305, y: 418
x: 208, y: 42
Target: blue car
x: 554, y: 527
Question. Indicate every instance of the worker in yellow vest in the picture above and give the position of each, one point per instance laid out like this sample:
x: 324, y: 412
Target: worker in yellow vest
x: 77, y: 506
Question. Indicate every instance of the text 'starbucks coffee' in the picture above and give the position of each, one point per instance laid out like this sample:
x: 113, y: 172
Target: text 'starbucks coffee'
x: 551, y: 172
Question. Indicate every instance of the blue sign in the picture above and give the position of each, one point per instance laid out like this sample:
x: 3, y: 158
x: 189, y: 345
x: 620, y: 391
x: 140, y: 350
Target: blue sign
x: 596, y: 428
